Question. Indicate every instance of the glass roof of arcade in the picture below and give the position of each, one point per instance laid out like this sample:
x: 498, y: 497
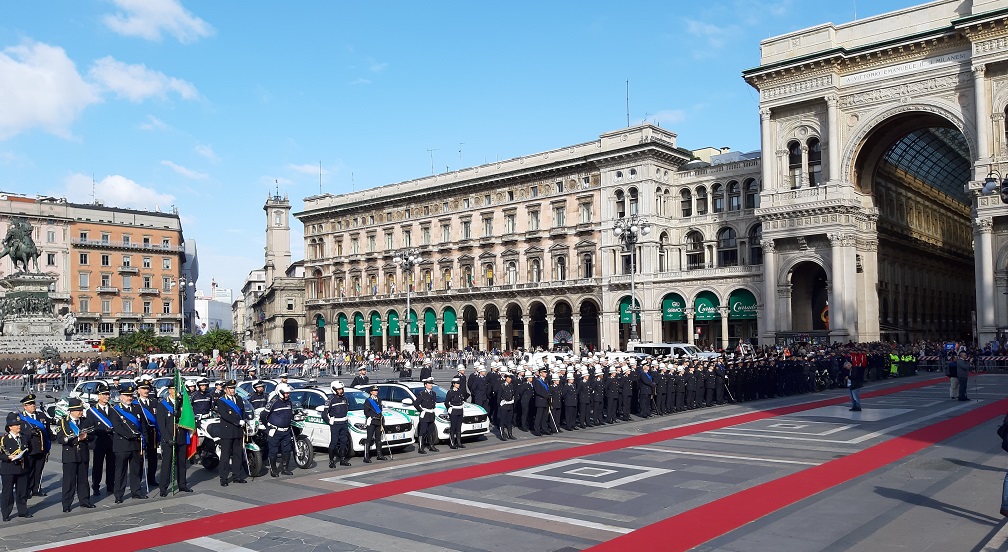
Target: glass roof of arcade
x: 938, y: 156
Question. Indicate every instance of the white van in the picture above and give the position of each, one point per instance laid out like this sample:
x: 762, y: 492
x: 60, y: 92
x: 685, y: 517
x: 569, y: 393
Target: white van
x: 672, y: 349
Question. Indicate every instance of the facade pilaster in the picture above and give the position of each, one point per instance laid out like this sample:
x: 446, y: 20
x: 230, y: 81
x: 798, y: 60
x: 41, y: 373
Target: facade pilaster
x: 724, y: 310
x: 833, y: 146
x: 982, y: 235
x: 983, y: 119
x: 769, y: 290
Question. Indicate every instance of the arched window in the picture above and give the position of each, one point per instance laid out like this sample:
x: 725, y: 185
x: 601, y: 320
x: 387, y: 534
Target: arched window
x: 620, y: 204
x: 512, y: 273
x: 814, y: 162
x: 794, y: 163
x: 320, y: 285
x: 756, y: 245
x: 632, y: 194
x: 701, y: 200
x: 727, y: 247
x: 488, y: 274
x: 428, y: 279
x: 467, y: 277
x: 561, y: 268
x: 659, y: 203
x: 734, y: 196
x: 446, y: 278
x: 587, y: 266
x: 535, y: 272
x: 751, y: 193
x: 663, y: 253
x: 717, y: 198
x: 695, y: 250
x: 686, y: 202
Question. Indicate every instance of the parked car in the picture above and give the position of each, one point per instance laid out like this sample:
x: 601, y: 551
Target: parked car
x: 402, y: 395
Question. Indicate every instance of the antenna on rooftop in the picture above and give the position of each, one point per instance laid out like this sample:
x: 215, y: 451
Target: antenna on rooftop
x: 431, y: 152
x: 628, y: 102
x: 320, y: 178
x: 93, y: 198
x: 460, y: 153
x: 353, y: 185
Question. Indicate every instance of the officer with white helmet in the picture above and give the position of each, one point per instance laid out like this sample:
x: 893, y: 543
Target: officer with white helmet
x: 277, y: 417
x: 258, y: 397
x: 339, y: 431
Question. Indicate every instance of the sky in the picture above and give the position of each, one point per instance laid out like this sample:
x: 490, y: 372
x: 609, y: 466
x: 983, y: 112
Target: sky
x: 208, y: 107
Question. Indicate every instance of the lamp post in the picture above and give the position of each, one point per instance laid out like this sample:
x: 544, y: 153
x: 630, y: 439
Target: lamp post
x: 628, y: 230
x: 407, y: 259
x: 182, y: 283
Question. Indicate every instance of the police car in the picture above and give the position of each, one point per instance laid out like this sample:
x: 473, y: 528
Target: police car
x: 399, y: 429
x: 402, y: 395
x: 87, y: 391
x: 168, y: 381
x: 271, y: 385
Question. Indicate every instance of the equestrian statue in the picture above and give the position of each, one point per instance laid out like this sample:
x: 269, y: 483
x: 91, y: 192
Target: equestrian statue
x: 19, y: 245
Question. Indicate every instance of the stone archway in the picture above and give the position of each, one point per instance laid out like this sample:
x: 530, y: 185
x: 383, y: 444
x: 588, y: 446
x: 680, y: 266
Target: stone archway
x: 809, y: 297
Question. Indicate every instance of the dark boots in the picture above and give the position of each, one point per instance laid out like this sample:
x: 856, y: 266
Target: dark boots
x: 332, y: 460
x: 273, y: 468
x: 430, y: 445
x: 421, y: 442
x: 286, y: 466
x: 511, y: 433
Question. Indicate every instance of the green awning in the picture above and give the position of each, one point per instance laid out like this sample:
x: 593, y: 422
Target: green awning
x: 344, y: 330
x: 706, y: 307
x: 741, y: 305
x: 358, y: 322
x: 414, y: 327
x: 376, y: 326
x: 429, y: 322
x: 319, y: 321
x: 450, y: 324
x: 393, y: 323
x: 624, y: 311
x: 673, y: 307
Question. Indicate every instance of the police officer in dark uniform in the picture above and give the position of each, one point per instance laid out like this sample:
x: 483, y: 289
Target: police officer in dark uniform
x: 14, y: 447
x: 202, y: 400
x: 153, y: 436
x: 232, y: 431
x: 426, y: 431
x: 218, y: 391
x: 584, y: 400
x: 361, y: 380
x: 598, y: 397
x: 506, y: 393
x: 277, y: 417
x: 613, y: 393
x: 426, y: 372
x: 74, y: 434
x: 373, y: 413
x: 258, y: 396
x: 454, y: 404
x: 524, y: 394
x: 35, y: 429
x: 569, y: 393
x: 541, y: 390
x: 645, y: 390
x: 101, y: 414
x: 660, y: 388
x: 626, y: 393
x: 174, y: 441
x: 128, y: 429
x: 336, y: 412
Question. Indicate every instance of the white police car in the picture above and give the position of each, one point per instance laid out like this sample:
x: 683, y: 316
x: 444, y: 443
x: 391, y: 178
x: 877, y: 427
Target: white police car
x: 402, y: 395
x: 87, y: 391
x: 399, y: 429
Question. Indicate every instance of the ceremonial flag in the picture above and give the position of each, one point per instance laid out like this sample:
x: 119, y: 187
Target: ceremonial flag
x: 187, y: 419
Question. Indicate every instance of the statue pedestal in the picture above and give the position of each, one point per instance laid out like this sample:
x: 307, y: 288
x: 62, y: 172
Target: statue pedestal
x: 29, y: 322
x: 29, y: 283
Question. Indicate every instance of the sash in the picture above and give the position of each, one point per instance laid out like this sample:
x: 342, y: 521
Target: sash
x: 374, y: 405
x: 129, y: 417
x: 42, y: 429
x: 73, y: 427
x: 101, y: 417
x: 648, y: 376
x: 171, y: 411
x: 233, y: 406
x: 151, y: 421
x: 543, y: 383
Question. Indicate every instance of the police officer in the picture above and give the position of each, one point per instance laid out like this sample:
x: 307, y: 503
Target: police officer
x: 613, y: 392
x: 373, y: 413
x: 556, y: 404
x: 506, y: 391
x: 645, y: 389
x: 569, y: 391
x: 149, y: 408
x: 478, y: 388
x: 101, y: 416
x: 541, y: 391
x: 174, y: 441
x: 258, y: 396
x: 277, y: 417
x: 36, y: 430
x: 232, y: 431
x: 14, y: 447
x: 584, y: 400
x: 525, y: 393
x: 425, y: 372
x: 361, y: 380
x: 202, y: 400
x: 426, y: 430
x: 75, y: 435
x: 218, y: 391
x: 128, y: 429
x: 339, y: 431
x: 454, y: 404
x: 598, y: 397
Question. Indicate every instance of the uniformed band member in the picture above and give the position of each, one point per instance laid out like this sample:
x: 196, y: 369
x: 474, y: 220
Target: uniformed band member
x: 128, y: 440
x: 454, y: 404
x: 505, y: 407
x: 174, y: 444
x: 361, y: 380
x: 232, y: 432
x: 75, y: 434
x: 277, y: 417
x: 426, y: 430
x: 153, y: 435
x: 36, y: 430
x: 14, y: 447
x: 373, y: 413
x: 104, y: 457
x: 339, y: 430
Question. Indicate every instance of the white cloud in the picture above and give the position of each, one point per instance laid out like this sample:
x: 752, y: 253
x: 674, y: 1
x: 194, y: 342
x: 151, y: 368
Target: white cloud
x: 147, y: 19
x: 136, y: 82
x: 153, y: 123
x: 186, y: 172
x: 207, y: 151
x: 360, y: 81
x: 40, y: 87
x: 307, y: 168
x: 115, y: 191
x: 272, y: 182
x: 377, y: 67
x: 715, y: 36
x: 669, y: 116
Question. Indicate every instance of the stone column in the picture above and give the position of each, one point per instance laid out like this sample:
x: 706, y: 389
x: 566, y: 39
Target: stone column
x: 526, y: 338
x: 689, y: 325
x: 984, y: 259
x: 367, y: 334
x: 384, y: 339
x: 983, y: 117
x: 837, y: 297
x: 549, y: 331
x: 440, y: 335
x: 833, y: 129
x: 601, y: 332
x: 769, y: 291
x: 482, y: 336
x: 503, y: 333
x: 724, y: 326
x: 769, y: 182
x: 577, y: 332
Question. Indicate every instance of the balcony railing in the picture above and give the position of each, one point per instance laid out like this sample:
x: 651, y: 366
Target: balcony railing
x: 127, y: 315
x: 150, y: 291
x: 108, y: 289
x: 129, y: 270
x: 127, y: 245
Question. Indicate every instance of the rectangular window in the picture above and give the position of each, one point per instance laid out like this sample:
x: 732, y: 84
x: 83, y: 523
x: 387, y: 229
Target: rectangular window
x: 51, y: 236
x: 444, y: 207
x: 534, y: 192
x: 388, y: 241
x: 339, y: 248
x: 426, y: 210
x: 586, y: 183
x: 533, y: 220
x: 425, y: 233
x: 371, y: 244
x: 559, y: 186
x: 85, y: 280
x: 166, y: 307
x: 166, y: 263
x: 83, y: 305
x: 83, y: 236
x: 466, y: 230
x: 167, y: 328
x: 83, y: 258
x: 147, y: 307
x: 127, y: 282
x: 127, y: 327
x: 147, y: 282
x: 166, y: 283
x: 354, y: 246
x: 50, y: 259
x: 371, y: 219
x: 509, y: 224
x: 127, y: 305
x: 127, y: 260
x: 290, y: 304
x: 487, y: 227
x: 126, y: 239
x: 84, y: 328
x: 105, y: 237
x: 510, y: 195
x: 106, y: 280
x: 146, y: 262
x: 146, y: 241
x: 465, y: 203
x: 486, y: 199
x: 585, y: 213
x: 106, y: 260
x: 559, y: 216
x: 105, y: 327
x: 407, y: 238
x: 165, y: 242
x: 445, y: 233
x: 106, y: 306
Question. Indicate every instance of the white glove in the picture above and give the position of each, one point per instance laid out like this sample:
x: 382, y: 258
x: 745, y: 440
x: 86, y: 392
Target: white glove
x: 242, y: 423
x: 332, y: 422
x: 272, y: 432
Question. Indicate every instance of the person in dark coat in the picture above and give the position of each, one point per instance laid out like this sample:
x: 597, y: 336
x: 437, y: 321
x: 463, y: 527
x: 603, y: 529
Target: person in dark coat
x: 426, y: 402
x: 14, y: 447
x: 104, y: 459
x: 856, y: 375
x: 337, y: 409
x: 626, y: 393
x: 128, y: 430
x: 645, y: 390
x: 230, y: 430
x: 361, y: 379
x: 570, y: 402
x: 963, y: 367
x: 541, y: 390
x: 556, y: 404
x: 426, y: 371
x: 598, y: 398
x: 525, y: 393
x: 74, y: 434
x: 454, y: 404
x: 506, y: 392
x: 584, y: 401
x: 35, y: 428
x: 148, y: 405
x: 174, y: 444
x: 373, y: 413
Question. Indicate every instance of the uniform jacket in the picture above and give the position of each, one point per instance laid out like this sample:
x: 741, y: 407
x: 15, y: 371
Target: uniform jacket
x: 74, y: 450
x: 230, y: 426
x: 126, y: 436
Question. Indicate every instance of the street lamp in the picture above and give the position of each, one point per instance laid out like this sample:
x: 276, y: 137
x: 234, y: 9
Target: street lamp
x: 182, y: 283
x: 628, y: 230
x: 994, y: 183
x: 407, y: 259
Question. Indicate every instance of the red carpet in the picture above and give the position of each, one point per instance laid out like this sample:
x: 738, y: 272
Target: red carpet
x: 257, y: 515
x: 699, y: 525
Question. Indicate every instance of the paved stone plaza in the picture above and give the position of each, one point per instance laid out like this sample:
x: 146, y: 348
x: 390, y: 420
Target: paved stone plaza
x: 944, y: 497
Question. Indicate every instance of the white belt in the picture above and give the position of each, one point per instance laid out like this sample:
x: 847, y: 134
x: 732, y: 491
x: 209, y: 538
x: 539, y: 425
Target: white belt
x: 507, y: 402
x: 343, y: 419
x: 427, y: 411
x: 278, y: 428
x: 455, y: 408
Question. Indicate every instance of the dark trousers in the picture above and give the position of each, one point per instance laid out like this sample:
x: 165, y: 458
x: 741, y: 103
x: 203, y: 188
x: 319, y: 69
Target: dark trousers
x: 150, y: 459
x: 373, y: 437
x: 583, y: 414
x: 963, y: 382
x: 173, y: 456
x: 231, y: 455
x: 38, y: 462
x: 570, y: 417
x: 15, y: 490
x: 612, y: 410
x: 280, y: 443
x: 505, y: 416
x: 555, y: 419
x: 339, y: 440
x: 541, y: 423
x: 645, y: 405
x: 455, y: 424
x: 75, y: 479
x: 103, y: 458
x: 597, y: 412
x: 130, y: 462
x: 524, y: 414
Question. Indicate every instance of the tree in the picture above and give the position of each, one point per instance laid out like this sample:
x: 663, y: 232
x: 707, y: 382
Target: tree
x: 222, y: 340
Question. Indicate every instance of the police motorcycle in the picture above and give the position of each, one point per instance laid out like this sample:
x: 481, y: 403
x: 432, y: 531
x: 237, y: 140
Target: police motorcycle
x: 207, y: 428
x: 304, y: 454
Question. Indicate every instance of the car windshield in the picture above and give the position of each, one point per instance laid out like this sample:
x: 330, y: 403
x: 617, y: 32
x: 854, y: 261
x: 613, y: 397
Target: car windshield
x: 691, y: 350
x: 438, y: 392
x: 356, y: 399
x: 297, y: 384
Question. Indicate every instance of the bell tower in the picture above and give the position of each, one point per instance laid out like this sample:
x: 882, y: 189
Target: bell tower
x: 278, y: 248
